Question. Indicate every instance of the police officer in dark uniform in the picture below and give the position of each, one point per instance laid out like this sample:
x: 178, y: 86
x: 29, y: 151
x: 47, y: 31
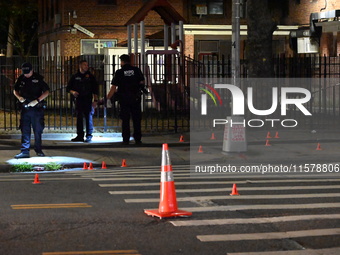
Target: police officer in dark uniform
x: 31, y: 90
x: 84, y: 90
x: 127, y: 84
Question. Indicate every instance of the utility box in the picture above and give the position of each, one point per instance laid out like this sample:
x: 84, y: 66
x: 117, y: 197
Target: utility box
x: 307, y: 45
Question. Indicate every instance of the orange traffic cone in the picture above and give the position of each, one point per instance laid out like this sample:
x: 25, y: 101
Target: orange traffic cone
x: 85, y: 166
x: 104, y: 165
x: 212, y: 136
x: 276, y: 135
x: 90, y: 166
x: 267, y: 143
x: 168, y: 201
x: 234, y: 191
x: 181, y: 139
x: 318, y: 147
x: 200, y: 149
x: 123, y: 163
x: 268, y: 135
x: 36, y: 179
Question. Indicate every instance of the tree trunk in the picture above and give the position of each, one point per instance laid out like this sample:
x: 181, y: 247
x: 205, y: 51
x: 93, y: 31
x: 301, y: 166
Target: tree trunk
x: 259, y: 41
x: 10, y: 38
x: 259, y: 51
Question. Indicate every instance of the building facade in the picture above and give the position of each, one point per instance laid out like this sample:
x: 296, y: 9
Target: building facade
x: 73, y: 28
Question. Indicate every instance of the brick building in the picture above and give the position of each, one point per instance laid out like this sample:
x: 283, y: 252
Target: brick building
x: 105, y: 19
x: 207, y: 27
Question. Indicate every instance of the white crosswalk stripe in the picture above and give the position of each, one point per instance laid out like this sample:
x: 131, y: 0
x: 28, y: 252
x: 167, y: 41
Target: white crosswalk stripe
x: 270, y: 235
x: 261, y: 207
x: 139, y: 192
x: 291, y: 199
x: 244, y: 197
x: 329, y: 251
x: 212, y: 222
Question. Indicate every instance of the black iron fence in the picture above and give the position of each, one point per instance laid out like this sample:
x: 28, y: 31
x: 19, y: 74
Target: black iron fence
x: 166, y: 106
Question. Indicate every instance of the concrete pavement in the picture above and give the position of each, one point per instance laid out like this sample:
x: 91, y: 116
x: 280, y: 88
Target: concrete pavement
x: 293, y: 145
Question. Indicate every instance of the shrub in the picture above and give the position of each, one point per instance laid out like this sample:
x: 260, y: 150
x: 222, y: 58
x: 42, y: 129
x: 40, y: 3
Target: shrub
x: 22, y: 167
x: 51, y: 166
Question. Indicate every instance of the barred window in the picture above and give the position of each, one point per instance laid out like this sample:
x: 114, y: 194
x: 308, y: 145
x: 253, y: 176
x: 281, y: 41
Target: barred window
x: 213, y: 7
x: 96, y: 46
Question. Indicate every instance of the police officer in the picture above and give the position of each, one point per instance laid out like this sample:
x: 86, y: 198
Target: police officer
x: 127, y: 84
x: 31, y: 90
x: 84, y: 89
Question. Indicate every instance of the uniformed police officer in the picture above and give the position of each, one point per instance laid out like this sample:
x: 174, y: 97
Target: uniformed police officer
x: 31, y: 90
x: 127, y: 84
x: 84, y: 90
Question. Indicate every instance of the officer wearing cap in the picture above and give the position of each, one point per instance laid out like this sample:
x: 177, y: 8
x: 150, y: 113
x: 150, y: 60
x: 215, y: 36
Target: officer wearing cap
x: 127, y: 84
x: 31, y: 90
x: 84, y: 90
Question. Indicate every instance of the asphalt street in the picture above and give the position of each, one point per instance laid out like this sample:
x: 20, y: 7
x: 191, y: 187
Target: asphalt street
x: 101, y: 211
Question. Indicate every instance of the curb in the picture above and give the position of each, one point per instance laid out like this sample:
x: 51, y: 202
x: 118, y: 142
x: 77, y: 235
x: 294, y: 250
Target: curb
x: 5, y: 168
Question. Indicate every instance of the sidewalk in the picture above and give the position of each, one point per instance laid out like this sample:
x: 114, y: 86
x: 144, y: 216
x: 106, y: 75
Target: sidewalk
x: 104, y: 147
x: 292, y: 146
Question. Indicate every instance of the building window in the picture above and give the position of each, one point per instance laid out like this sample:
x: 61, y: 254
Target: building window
x: 52, y: 9
x: 213, y: 7
x: 209, y: 46
x: 47, y: 52
x: 95, y: 46
x: 43, y: 56
x: 52, y: 50
x: 43, y: 11
x: 107, y: 2
x: 43, y: 51
x: 58, y: 54
x: 47, y: 11
x: 57, y: 6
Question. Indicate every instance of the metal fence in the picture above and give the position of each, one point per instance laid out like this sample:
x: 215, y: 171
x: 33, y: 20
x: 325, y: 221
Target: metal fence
x: 166, y: 107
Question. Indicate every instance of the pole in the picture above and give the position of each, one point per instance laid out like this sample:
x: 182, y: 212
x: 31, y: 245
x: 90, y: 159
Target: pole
x: 235, y: 38
x: 235, y: 131
x: 129, y: 30
x: 142, y: 46
x: 135, y: 31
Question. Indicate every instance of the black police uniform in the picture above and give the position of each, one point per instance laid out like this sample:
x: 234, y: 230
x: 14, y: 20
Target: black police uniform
x: 128, y: 79
x: 86, y: 85
x: 31, y: 88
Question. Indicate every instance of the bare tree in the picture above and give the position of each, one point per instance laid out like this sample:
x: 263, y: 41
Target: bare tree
x: 20, y: 17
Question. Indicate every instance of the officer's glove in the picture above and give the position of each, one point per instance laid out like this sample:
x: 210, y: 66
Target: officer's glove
x: 21, y: 99
x: 108, y: 103
x: 33, y: 103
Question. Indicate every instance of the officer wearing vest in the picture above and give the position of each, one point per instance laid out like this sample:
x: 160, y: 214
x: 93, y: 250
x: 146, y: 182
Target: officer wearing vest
x: 31, y: 90
x: 84, y: 90
x: 127, y: 85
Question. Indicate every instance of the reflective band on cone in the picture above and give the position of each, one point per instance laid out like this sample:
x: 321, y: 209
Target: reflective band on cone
x: 168, y: 201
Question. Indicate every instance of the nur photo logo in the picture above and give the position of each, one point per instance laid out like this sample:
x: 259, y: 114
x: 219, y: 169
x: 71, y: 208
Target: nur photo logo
x: 280, y: 100
x: 209, y: 90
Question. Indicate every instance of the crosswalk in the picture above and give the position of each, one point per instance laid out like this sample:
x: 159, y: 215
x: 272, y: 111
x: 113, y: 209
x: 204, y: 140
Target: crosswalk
x: 297, y: 201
